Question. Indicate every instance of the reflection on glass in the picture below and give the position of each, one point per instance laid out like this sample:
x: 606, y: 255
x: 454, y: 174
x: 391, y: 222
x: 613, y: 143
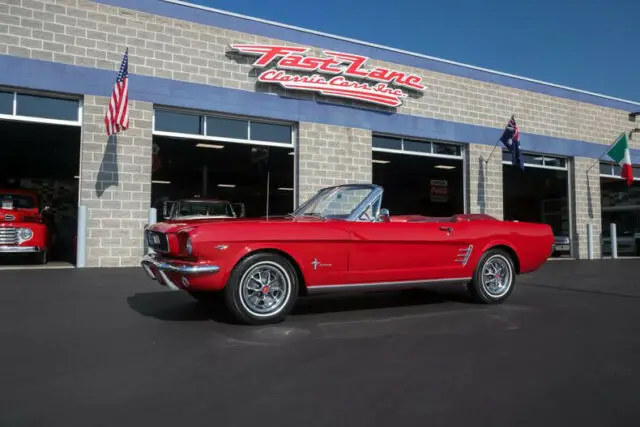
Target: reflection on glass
x: 172, y: 121
x: 532, y: 159
x: 606, y: 169
x: 47, y: 108
x: 419, y: 146
x: 6, y: 102
x: 447, y: 149
x: 227, y: 128
x: 554, y: 161
x: 270, y: 132
x: 386, y: 142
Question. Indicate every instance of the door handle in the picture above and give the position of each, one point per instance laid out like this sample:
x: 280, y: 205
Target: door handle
x: 449, y: 230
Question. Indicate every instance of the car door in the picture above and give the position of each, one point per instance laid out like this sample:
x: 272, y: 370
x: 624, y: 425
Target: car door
x: 407, y: 251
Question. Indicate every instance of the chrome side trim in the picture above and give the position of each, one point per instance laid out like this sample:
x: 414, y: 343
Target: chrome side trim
x: 382, y: 285
x: 19, y: 249
x: 464, y: 255
x: 163, y: 266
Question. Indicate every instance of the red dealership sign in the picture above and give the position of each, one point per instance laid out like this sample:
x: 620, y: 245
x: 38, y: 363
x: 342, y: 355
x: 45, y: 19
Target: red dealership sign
x: 339, y: 70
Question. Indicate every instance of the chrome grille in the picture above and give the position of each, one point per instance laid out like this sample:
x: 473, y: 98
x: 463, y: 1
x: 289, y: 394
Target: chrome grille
x: 8, y: 236
x: 157, y: 241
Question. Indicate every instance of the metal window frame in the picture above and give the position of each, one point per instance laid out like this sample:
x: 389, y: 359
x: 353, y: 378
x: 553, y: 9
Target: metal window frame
x: 14, y: 117
x: 543, y: 165
x: 203, y: 119
x: 462, y: 158
x: 203, y: 114
x: 612, y: 176
x: 417, y: 153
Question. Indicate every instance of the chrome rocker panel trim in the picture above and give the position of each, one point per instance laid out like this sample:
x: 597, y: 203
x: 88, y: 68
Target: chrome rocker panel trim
x: 410, y: 284
x: 19, y: 249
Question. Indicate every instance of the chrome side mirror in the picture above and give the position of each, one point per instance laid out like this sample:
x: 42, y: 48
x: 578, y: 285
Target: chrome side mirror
x: 384, y: 215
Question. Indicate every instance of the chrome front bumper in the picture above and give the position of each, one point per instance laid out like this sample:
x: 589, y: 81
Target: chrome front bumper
x: 151, y: 262
x: 19, y: 249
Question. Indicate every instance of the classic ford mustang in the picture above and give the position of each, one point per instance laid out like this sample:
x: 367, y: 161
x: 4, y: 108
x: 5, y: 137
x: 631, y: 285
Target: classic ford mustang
x: 340, y: 239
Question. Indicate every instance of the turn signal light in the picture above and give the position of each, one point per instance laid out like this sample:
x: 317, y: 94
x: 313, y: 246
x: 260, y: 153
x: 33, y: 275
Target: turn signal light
x: 184, y: 245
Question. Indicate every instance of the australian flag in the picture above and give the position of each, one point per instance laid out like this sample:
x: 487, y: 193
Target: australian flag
x: 511, y: 140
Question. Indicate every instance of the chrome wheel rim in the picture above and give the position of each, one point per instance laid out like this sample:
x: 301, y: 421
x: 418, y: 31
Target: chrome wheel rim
x: 497, y: 276
x: 265, y: 289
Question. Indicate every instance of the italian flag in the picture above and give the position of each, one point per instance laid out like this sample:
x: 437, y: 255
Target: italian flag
x: 620, y: 153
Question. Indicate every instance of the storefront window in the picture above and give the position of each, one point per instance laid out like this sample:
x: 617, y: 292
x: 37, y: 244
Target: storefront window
x: 47, y: 108
x: 6, y: 102
x: 270, y: 132
x: 555, y: 162
x: 387, y: 143
x: 627, y: 223
x: 172, y: 121
x: 227, y: 128
x: 417, y: 146
x: 446, y: 149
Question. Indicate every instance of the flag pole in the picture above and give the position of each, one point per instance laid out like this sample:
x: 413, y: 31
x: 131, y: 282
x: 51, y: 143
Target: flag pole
x: 498, y: 141
x: 601, y: 155
x: 494, y: 149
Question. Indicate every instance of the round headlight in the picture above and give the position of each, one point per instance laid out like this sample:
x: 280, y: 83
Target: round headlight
x: 25, y: 234
x: 189, y: 247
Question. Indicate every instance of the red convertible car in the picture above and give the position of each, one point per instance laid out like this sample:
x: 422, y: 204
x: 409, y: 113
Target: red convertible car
x: 340, y: 239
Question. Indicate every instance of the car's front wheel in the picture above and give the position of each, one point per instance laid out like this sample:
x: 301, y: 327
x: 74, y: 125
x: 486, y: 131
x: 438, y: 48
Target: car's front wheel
x: 494, y: 278
x: 262, y: 289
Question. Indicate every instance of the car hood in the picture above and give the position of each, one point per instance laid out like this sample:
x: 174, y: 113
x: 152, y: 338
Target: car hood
x: 172, y: 226
x: 19, y: 215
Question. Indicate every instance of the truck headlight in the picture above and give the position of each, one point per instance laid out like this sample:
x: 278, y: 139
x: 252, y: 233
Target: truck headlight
x: 189, y: 247
x: 25, y: 234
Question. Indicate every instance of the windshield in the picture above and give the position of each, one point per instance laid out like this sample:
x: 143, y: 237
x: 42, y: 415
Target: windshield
x: 16, y: 201
x: 205, y: 208
x: 335, y: 202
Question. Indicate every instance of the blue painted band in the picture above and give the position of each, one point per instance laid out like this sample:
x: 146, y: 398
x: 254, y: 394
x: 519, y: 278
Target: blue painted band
x: 43, y: 75
x: 219, y: 20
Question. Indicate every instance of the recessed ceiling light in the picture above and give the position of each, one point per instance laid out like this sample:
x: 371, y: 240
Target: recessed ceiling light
x: 381, y: 161
x: 77, y: 177
x: 202, y: 145
x: 227, y: 185
x: 444, y: 167
x: 161, y: 182
x: 292, y: 153
x: 285, y: 188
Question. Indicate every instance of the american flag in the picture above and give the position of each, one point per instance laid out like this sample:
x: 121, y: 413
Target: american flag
x: 117, y: 117
x: 511, y: 140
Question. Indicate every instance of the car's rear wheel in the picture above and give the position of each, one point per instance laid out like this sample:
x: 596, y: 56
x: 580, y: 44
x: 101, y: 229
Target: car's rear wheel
x: 262, y: 289
x: 494, y: 278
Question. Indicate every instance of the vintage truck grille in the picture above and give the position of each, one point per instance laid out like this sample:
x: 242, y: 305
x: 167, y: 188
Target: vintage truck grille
x: 8, y: 236
x: 157, y: 241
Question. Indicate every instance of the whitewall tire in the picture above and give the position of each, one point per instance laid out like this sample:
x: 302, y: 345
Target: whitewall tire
x: 262, y: 289
x: 494, y: 278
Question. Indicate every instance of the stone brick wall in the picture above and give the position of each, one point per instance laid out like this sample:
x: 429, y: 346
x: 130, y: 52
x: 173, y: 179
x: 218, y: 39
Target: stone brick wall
x: 331, y: 155
x: 484, y: 180
x: 85, y: 33
x: 115, y: 184
x: 586, y: 206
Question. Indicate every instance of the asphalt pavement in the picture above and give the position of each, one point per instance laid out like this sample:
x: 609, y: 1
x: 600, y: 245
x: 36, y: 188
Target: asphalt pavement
x: 108, y: 347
